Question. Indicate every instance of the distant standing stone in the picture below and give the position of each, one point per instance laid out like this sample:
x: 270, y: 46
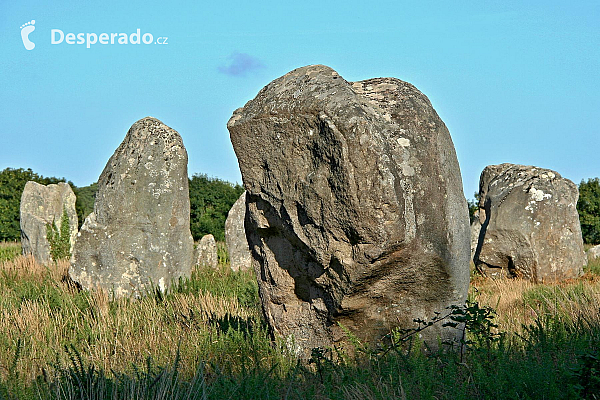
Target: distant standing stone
x: 139, y: 232
x: 42, y: 205
x: 206, y: 252
x: 530, y: 225
x: 593, y: 253
x: 235, y: 236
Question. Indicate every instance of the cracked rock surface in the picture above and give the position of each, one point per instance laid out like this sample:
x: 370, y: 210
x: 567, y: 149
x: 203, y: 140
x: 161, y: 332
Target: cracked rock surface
x: 139, y: 231
x: 355, y: 211
x: 529, y: 224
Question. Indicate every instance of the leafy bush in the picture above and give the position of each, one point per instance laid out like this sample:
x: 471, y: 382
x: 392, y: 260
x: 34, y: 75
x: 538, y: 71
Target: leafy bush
x: 210, y: 201
x: 588, y: 207
x: 59, y: 238
x: 586, y: 375
x: 84, y: 205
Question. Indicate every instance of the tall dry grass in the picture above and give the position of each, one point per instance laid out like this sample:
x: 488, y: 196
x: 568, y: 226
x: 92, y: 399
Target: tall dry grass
x: 42, y: 311
x: 211, y: 322
x: 520, y: 303
x: 9, y: 250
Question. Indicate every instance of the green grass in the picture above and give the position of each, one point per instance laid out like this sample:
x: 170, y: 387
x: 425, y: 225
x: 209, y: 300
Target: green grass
x: 593, y: 267
x: 550, y: 298
x: 9, y: 250
x: 206, y: 339
x: 221, y: 282
x: 547, y: 362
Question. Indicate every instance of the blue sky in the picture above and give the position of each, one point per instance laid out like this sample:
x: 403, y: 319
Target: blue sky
x: 513, y: 81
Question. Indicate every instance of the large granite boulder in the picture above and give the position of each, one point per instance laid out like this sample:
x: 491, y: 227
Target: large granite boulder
x: 530, y: 226
x: 139, y: 231
x: 356, y: 217
x: 235, y: 236
x: 206, y: 252
x: 42, y: 205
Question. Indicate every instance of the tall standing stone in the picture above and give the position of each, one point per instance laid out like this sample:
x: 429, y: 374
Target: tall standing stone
x: 42, y: 205
x: 235, y: 236
x: 139, y: 231
x: 355, y: 211
x: 530, y: 225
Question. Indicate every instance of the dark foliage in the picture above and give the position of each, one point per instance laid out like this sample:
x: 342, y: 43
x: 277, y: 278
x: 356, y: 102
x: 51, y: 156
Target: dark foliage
x: 588, y: 207
x: 86, y: 196
x: 210, y: 201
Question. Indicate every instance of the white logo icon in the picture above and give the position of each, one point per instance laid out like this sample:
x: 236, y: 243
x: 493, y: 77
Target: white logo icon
x: 26, y: 29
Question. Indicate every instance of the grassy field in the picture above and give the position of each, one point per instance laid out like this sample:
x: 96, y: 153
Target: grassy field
x: 9, y: 250
x: 205, y: 339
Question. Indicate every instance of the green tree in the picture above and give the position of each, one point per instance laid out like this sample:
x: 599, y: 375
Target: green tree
x: 588, y: 207
x: 59, y: 238
x: 210, y: 201
x: 84, y: 205
x: 12, y: 183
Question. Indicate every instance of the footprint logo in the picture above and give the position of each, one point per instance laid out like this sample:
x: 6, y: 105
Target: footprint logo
x: 26, y: 29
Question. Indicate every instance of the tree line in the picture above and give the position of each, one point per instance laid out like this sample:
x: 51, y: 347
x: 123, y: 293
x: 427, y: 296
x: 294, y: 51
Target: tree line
x: 210, y: 201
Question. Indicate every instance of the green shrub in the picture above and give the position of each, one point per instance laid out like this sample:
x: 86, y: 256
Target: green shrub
x: 84, y: 205
x: 59, y: 239
x: 588, y: 207
x: 473, y: 206
x: 210, y: 201
x: 222, y: 253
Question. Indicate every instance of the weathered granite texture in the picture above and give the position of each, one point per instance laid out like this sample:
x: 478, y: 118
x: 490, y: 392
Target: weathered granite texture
x: 42, y: 205
x: 355, y: 210
x: 206, y: 252
x: 139, y: 232
x: 530, y: 225
x: 235, y: 236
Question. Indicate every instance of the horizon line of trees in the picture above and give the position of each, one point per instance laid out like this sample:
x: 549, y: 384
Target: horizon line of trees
x: 211, y: 199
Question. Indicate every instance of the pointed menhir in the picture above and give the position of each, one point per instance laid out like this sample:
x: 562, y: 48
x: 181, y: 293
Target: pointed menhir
x: 138, y: 236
